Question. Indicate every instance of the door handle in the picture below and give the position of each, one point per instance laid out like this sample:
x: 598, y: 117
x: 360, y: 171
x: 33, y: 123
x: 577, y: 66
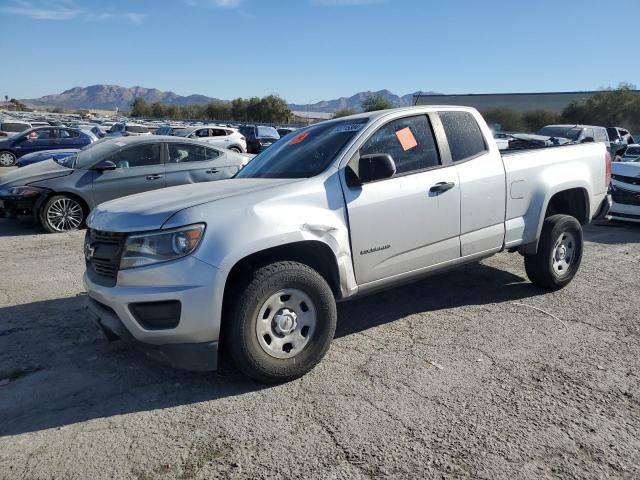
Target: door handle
x: 155, y: 176
x: 210, y: 171
x: 442, y: 187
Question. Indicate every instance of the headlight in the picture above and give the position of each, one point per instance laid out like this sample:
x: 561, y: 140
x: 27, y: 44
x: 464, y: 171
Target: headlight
x: 25, y: 191
x: 161, y: 246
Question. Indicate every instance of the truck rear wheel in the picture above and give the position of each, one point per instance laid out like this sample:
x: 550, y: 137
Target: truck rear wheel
x: 559, y: 253
x: 281, y: 323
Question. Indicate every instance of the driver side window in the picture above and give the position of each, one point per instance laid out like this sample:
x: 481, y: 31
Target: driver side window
x: 409, y: 141
x: 139, y: 156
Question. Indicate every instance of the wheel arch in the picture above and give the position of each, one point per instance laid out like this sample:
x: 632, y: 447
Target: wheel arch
x: 313, y: 253
x: 574, y: 201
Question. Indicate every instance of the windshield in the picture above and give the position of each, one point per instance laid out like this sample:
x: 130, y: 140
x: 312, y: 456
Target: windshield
x: 572, y: 133
x: 306, y: 154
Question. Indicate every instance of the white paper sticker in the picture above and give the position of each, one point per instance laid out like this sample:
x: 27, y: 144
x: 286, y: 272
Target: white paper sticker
x: 348, y: 127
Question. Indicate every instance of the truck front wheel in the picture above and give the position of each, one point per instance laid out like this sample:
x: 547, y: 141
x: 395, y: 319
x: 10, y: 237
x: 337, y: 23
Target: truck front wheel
x: 559, y: 253
x: 282, y: 322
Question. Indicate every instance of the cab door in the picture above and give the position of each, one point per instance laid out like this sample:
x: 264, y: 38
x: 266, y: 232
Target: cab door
x: 411, y: 220
x: 193, y: 163
x: 482, y: 183
x: 139, y: 169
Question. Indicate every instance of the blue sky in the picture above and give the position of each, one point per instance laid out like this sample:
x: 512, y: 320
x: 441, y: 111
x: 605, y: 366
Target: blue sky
x: 307, y: 50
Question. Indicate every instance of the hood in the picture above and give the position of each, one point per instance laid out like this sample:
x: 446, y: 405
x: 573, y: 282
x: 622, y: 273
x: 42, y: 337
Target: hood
x: 34, y: 173
x: 150, y: 210
x: 627, y: 169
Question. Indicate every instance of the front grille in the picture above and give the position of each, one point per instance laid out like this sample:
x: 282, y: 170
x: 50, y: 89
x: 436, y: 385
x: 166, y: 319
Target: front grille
x: 102, y: 255
x: 625, y: 197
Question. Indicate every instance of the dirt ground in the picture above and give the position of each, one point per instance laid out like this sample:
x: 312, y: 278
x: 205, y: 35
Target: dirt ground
x: 453, y: 376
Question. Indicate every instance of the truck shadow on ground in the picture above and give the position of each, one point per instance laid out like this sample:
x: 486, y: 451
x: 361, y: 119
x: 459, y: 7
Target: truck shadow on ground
x: 612, y: 232
x: 16, y: 227
x: 63, y: 372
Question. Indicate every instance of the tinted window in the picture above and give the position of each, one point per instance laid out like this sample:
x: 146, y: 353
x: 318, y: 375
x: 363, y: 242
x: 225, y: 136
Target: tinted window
x: 69, y: 134
x: 247, y: 131
x: 203, y: 132
x: 217, y: 132
x: 409, y: 141
x: 463, y: 134
x: 268, y: 132
x: 14, y: 127
x: 139, y: 156
x: 42, y: 134
x: 613, y: 133
x: 307, y: 153
x: 180, y: 153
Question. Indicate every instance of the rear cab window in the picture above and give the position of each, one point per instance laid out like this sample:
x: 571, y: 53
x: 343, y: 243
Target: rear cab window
x: 268, y: 132
x: 464, y: 136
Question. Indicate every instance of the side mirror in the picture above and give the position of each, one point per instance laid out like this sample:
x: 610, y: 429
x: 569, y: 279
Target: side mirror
x: 105, y: 165
x: 369, y: 168
x: 587, y: 140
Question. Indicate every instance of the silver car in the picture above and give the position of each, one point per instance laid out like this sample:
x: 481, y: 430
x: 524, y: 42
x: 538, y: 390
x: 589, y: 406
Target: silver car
x: 62, y: 192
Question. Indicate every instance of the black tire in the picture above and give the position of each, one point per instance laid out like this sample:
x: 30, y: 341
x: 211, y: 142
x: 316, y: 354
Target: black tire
x: 540, y: 267
x: 7, y: 158
x: 240, y: 334
x: 235, y: 149
x: 618, y: 158
x: 75, y: 208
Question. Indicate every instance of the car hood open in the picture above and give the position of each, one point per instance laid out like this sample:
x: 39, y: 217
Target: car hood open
x: 150, y: 210
x: 34, y: 173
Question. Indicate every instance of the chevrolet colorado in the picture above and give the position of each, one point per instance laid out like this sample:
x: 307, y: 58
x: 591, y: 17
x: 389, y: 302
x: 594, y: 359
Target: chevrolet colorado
x: 342, y: 208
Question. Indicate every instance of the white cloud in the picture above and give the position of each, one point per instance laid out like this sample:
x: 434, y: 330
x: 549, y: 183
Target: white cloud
x: 135, y: 18
x: 61, y: 10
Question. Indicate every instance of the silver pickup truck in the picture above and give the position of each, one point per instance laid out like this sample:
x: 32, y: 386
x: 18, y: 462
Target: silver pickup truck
x: 335, y: 210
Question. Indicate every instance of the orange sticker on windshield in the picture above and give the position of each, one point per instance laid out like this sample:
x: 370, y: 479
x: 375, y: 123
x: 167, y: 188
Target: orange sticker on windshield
x: 298, y: 138
x: 406, y: 139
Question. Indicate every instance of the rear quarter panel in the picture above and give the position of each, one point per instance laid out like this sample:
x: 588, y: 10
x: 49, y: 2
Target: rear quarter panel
x: 534, y: 176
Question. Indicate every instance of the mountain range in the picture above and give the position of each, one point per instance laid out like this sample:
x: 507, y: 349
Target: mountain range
x: 108, y: 97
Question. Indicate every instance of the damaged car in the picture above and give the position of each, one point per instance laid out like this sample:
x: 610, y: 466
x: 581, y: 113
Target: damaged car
x: 61, y: 192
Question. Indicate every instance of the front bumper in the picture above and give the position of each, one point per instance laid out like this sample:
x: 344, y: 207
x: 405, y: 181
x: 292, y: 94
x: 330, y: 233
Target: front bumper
x: 626, y: 213
x: 11, y: 205
x: 193, y: 343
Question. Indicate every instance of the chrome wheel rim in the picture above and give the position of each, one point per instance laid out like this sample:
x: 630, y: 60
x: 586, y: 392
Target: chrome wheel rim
x: 564, y: 253
x: 286, y: 321
x: 64, y: 214
x: 6, y: 159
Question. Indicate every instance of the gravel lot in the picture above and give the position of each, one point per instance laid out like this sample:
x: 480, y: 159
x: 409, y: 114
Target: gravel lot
x: 453, y: 376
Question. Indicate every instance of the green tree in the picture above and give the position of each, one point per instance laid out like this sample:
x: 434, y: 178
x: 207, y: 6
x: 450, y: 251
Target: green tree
x: 343, y: 112
x: 375, y: 101
x: 139, y: 108
x: 239, y: 109
x: 504, y: 119
x: 534, y: 120
x: 607, y: 108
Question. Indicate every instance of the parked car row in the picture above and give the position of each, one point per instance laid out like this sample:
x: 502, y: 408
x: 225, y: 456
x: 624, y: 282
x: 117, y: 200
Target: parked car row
x: 60, y: 192
x: 37, y: 139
